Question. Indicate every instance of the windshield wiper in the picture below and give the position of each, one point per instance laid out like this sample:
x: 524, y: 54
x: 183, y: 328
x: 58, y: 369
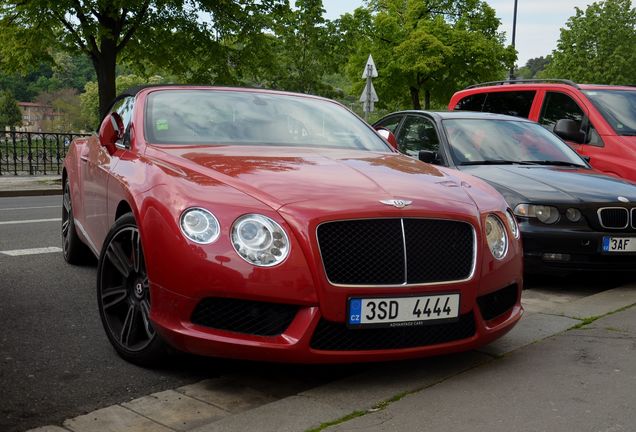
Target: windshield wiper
x: 556, y: 163
x: 497, y: 162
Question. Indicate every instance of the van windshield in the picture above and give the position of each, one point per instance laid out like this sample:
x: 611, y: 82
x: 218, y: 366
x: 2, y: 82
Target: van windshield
x: 618, y: 107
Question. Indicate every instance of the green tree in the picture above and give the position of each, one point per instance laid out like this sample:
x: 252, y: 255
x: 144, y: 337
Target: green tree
x: 430, y: 49
x: 597, y: 45
x: 10, y: 114
x: 533, y: 67
x: 198, y: 37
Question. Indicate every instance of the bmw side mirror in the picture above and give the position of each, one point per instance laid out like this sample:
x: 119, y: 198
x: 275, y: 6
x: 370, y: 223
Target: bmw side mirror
x: 111, y: 131
x: 388, y: 136
x: 428, y: 156
x: 569, y: 130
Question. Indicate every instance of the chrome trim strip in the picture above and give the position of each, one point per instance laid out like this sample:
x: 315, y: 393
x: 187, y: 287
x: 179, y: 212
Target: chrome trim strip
x: 406, y: 265
x: 405, y: 284
x: 91, y: 245
x: 600, y: 219
x: 633, y: 215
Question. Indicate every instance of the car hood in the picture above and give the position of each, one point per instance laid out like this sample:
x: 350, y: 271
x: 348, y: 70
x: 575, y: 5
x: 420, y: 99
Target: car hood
x: 552, y: 185
x: 279, y: 176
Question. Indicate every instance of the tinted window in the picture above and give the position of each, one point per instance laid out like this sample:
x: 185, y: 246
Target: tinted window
x: 514, y: 103
x: 417, y: 133
x: 471, y: 103
x: 558, y: 106
x: 254, y: 118
x: 390, y: 123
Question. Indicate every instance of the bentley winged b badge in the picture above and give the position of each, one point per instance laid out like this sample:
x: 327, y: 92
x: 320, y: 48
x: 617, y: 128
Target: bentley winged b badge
x: 398, y: 203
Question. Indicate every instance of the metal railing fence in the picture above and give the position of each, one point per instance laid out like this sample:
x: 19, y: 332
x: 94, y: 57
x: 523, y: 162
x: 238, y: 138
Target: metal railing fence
x: 33, y: 153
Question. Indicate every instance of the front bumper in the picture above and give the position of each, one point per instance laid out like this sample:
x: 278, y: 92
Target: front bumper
x: 548, y: 248
x: 309, y: 338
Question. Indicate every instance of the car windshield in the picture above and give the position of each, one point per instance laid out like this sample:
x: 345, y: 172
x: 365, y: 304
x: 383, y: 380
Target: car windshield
x: 493, y: 141
x: 191, y: 117
x: 618, y: 107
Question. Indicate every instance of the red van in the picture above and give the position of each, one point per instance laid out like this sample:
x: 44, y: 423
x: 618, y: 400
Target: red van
x: 598, y: 121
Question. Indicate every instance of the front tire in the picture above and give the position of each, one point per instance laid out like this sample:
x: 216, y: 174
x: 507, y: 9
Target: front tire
x: 73, y: 249
x: 123, y: 296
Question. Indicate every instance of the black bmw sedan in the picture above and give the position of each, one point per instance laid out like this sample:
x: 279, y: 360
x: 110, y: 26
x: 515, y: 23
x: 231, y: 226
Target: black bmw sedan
x: 571, y: 216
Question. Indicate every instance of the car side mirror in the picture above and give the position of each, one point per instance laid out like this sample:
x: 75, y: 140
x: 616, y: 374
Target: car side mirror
x: 428, y: 156
x: 111, y: 131
x: 388, y: 136
x: 569, y: 130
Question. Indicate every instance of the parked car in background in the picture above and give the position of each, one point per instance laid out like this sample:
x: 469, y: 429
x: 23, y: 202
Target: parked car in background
x: 571, y: 216
x: 281, y: 227
x: 597, y: 121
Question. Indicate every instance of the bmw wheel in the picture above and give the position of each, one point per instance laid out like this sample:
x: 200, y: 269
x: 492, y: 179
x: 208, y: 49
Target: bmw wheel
x: 123, y: 295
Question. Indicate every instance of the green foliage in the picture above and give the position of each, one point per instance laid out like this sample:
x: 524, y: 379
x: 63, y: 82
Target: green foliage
x: 598, y: 45
x: 89, y: 100
x: 533, y: 67
x: 10, y: 114
x: 431, y: 48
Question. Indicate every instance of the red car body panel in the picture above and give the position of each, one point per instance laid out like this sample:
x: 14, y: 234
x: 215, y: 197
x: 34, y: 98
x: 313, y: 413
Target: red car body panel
x: 297, y: 187
x: 617, y: 155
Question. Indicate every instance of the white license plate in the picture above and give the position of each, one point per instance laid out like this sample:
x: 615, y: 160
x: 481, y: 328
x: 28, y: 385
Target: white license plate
x: 619, y: 244
x: 402, y: 311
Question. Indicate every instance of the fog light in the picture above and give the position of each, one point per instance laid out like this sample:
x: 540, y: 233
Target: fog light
x: 555, y: 257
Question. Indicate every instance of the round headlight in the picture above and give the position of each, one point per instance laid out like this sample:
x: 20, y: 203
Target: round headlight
x: 573, y: 215
x: 259, y: 240
x: 545, y: 214
x: 199, y: 225
x: 496, y: 236
x: 512, y: 222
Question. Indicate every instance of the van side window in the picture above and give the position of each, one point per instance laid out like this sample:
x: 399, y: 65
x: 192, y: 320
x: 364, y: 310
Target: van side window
x: 514, y: 103
x: 558, y: 106
x: 473, y: 102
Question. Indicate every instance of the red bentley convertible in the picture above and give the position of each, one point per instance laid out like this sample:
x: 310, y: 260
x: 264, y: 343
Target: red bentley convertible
x: 275, y: 226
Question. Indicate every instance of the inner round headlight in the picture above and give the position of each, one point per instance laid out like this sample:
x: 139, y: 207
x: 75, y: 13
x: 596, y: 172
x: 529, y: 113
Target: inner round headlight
x: 514, y: 228
x: 496, y: 236
x: 199, y: 225
x: 573, y: 215
x: 259, y: 240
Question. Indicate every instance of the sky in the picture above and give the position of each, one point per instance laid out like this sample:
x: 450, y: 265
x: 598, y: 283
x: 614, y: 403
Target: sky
x: 538, y: 21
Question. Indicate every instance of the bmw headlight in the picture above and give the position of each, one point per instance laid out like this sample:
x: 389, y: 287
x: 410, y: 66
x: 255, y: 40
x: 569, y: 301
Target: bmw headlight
x: 514, y: 228
x: 496, y: 236
x: 259, y: 240
x: 546, y: 214
x: 199, y: 225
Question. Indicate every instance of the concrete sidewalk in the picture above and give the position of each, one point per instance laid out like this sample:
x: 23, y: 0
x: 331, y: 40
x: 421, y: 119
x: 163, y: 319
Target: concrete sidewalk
x: 23, y: 185
x: 562, y: 368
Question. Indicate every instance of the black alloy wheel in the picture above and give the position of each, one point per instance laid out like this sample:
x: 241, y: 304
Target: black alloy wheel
x: 74, y: 251
x: 123, y: 295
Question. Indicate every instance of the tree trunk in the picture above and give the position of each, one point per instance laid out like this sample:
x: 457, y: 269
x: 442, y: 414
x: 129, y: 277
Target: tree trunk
x: 427, y: 99
x: 105, y: 62
x: 415, y: 98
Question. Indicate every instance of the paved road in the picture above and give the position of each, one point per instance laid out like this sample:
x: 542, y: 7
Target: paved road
x: 55, y: 360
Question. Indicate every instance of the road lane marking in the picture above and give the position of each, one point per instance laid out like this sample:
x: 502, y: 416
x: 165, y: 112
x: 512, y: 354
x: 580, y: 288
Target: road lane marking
x: 32, y: 251
x: 28, y: 208
x: 29, y: 221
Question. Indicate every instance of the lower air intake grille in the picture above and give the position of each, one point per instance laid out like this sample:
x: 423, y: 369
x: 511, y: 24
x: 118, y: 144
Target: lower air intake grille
x: 497, y: 303
x: 244, y: 316
x: 614, y: 218
x: 330, y: 336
